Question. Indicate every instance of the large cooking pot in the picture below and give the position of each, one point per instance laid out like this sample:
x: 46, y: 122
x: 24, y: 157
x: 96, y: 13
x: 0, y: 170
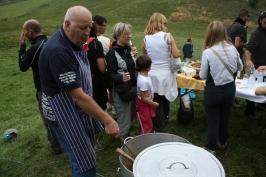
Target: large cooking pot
x: 137, y: 144
x: 176, y: 159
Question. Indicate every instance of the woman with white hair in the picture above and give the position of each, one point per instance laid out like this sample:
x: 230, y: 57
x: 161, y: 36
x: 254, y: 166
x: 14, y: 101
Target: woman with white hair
x: 121, y: 69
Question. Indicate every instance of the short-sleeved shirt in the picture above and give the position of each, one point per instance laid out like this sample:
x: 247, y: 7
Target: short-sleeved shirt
x: 95, y: 51
x: 144, y: 84
x: 237, y: 30
x: 106, y: 42
x: 58, y: 66
x: 257, y: 46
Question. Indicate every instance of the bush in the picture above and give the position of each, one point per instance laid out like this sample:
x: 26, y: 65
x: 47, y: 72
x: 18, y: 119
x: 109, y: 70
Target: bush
x: 253, y: 3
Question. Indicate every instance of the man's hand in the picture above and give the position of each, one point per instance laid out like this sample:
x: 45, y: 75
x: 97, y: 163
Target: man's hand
x: 22, y: 39
x: 112, y: 129
x: 249, y: 63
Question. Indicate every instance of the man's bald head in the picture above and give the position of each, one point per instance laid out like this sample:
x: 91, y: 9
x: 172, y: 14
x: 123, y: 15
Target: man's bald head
x: 73, y: 13
x: 77, y: 24
x: 34, y: 25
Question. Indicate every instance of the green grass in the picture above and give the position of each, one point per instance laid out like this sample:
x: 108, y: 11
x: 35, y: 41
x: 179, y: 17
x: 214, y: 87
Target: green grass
x: 29, y: 155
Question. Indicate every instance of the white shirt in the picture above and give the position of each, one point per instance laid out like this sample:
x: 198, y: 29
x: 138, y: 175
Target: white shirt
x: 144, y: 84
x: 157, y: 49
x: 219, y: 73
x: 105, y: 42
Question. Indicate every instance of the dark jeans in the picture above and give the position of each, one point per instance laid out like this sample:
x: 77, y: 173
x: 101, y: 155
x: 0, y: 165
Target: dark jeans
x: 54, y: 143
x: 218, y: 101
x: 161, y: 112
x: 76, y: 172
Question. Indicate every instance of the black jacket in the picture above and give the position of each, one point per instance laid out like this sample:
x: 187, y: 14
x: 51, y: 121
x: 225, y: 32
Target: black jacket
x: 30, y: 58
x: 116, y: 68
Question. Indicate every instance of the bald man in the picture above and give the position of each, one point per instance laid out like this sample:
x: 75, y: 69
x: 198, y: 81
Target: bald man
x: 30, y: 58
x: 67, y: 92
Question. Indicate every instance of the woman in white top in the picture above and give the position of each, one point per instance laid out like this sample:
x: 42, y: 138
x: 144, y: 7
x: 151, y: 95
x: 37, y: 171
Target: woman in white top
x: 163, y: 80
x: 219, y: 91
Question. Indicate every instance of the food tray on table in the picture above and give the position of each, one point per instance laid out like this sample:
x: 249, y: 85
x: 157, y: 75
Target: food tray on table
x: 195, y: 65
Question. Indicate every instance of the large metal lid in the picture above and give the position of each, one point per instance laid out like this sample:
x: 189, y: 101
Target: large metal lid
x: 176, y: 159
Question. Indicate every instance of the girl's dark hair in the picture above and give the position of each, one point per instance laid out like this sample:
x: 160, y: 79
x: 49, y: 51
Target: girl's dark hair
x: 93, y: 32
x: 143, y: 63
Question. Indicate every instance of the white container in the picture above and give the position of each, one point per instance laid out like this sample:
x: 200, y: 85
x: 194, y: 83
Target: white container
x: 176, y: 159
x: 189, y: 72
x: 251, y: 80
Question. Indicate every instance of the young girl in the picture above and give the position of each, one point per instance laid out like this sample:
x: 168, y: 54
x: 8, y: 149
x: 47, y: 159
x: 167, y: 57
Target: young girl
x: 144, y: 101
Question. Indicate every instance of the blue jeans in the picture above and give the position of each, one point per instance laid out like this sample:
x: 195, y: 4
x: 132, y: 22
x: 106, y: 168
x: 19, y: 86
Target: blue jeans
x: 74, y: 165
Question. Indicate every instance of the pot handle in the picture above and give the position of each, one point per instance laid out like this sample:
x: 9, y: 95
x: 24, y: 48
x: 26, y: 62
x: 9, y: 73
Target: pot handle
x: 176, y: 163
x: 127, y: 139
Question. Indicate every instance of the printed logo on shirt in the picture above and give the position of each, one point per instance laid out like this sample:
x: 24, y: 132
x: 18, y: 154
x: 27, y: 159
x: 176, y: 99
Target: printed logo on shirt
x: 68, y: 77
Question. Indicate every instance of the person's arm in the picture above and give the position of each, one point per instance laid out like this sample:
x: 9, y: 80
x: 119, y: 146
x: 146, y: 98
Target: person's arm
x: 239, y: 62
x: 249, y: 63
x: 252, y: 45
x: 25, y: 57
x: 145, y: 99
x: 101, y: 64
x: 175, y: 51
x: 100, y: 58
x: 204, y: 66
x: 143, y: 47
x: 239, y: 43
x: 88, y: 105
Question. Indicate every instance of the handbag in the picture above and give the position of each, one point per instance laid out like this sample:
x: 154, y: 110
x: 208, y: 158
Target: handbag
x: 185, y: 113
x: 225, y: 65
x: 175, y: 63
x: 125, y: 92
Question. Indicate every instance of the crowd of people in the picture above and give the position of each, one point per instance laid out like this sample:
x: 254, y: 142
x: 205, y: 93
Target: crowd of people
x: 77, y: 71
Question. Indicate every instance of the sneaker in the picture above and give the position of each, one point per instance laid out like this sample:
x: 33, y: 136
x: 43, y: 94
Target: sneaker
x: 221, y: 147
x: 98, y: 147
x: 210, y: 151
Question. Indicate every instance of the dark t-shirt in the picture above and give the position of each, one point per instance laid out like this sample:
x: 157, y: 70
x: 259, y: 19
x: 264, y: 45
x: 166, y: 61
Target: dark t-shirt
x: 95, y: 51
x: 98, y: 82
x: 237, y: 30
x: 257, y: 46
x: 58, y: 66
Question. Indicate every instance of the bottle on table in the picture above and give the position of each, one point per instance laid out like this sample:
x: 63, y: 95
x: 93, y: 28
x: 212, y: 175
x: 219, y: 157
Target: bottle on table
x: 251, y: 80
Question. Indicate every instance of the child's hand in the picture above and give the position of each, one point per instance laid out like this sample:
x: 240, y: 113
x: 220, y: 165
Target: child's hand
x: 156, y: 105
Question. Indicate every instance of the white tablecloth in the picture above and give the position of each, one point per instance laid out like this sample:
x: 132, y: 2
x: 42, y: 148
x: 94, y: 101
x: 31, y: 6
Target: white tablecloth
x: 243, y: 90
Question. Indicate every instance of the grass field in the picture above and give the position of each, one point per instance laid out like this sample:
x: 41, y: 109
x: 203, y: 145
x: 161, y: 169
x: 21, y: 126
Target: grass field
x: 29, y: 155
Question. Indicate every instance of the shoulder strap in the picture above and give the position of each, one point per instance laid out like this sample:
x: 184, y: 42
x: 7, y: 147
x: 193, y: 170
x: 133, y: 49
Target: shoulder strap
x: 225, y: 65
x: 169, y: 43
x: 86, y: 45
